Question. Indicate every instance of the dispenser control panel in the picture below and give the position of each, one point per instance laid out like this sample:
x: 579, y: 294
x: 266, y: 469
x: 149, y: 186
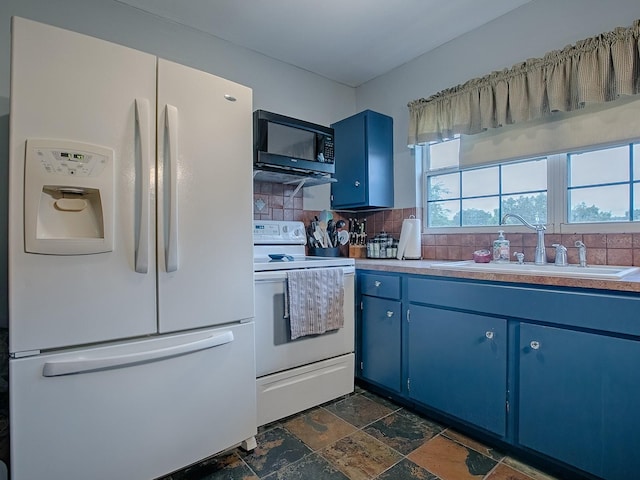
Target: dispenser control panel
x: 71, y: 162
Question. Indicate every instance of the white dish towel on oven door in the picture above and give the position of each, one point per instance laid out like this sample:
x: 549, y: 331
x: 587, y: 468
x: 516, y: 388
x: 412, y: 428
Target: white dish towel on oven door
x: 314, y: 301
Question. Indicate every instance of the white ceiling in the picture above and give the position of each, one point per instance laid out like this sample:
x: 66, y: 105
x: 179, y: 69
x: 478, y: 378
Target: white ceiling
x: 349, y: 41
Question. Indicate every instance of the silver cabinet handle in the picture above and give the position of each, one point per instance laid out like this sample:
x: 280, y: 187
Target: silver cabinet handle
x: 489, y: 335
x: 377, y: 284
x: 389, y: 313
x: 357, y: 183
x: 534, y: 345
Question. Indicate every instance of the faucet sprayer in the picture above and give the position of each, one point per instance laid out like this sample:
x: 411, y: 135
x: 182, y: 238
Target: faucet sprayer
x: 582, y: 253
x: 541, y: 255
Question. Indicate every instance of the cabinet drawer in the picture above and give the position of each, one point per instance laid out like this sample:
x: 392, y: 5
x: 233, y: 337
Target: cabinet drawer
x: 387, y: 286
x: 562, y: 306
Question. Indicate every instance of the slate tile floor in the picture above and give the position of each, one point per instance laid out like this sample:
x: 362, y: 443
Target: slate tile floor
x: 360, y: 437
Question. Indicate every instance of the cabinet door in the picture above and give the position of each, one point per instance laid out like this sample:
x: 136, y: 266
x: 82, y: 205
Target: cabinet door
x: 457, y: 363
x: 379, y: 162
x: 579, y: 397
x: 351, y: 152
x: 380, y: 343
x: 364, y: 161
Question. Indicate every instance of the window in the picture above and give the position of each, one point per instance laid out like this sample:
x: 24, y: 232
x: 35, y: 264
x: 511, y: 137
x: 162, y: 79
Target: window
x: 483, y: 195
x: 603, y: 185
x: 588, y: 187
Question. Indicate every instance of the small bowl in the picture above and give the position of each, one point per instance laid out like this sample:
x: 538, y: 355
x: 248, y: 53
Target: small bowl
x: 482, y: 256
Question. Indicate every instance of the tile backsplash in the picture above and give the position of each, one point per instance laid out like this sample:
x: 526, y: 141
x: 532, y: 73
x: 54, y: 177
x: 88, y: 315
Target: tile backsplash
x: 602, y: 249
x: 273, y: 201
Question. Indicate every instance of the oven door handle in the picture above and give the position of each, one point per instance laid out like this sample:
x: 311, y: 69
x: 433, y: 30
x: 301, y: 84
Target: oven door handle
x: 281, y: 275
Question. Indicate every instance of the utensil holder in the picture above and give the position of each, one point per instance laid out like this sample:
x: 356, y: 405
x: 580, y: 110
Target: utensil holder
x: 324, y: 252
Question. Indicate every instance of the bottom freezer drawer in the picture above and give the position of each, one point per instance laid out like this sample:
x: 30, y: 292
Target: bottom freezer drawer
x: 135, y: 410
x: 285, y: 393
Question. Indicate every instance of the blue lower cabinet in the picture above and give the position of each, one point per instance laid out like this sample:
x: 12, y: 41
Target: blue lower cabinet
x: 457, y: 363
x: 566, y: 360
x: 579, y: 397
x: 380, y: 331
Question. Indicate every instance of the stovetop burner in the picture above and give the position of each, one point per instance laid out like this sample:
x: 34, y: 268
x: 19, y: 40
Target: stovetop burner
x: 266, y: 264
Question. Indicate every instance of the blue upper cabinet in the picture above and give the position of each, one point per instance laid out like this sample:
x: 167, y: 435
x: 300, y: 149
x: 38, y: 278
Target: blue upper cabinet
x: 364, y: 162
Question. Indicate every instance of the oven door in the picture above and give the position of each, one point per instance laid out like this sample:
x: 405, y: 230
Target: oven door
x: 275, y: 351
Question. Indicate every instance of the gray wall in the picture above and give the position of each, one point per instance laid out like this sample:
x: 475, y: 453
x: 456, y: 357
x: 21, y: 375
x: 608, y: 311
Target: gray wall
x: 527, y: 32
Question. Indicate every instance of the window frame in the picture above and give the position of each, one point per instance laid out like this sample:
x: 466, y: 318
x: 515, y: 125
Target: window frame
x: 557, y: 201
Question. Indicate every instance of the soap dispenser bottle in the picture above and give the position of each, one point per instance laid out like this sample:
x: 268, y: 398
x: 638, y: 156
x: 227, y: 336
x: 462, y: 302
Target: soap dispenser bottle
x: 501, y: 248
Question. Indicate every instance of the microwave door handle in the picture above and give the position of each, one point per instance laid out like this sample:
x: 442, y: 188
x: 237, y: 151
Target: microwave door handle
x: 171, y: 247
x: 143, y: 126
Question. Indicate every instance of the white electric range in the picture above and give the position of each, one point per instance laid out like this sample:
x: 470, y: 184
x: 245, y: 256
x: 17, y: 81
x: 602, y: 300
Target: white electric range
x: 293, y: 375
x: 285, y: 241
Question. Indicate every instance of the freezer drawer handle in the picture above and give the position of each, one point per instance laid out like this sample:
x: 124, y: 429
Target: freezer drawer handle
x: 68, y: 367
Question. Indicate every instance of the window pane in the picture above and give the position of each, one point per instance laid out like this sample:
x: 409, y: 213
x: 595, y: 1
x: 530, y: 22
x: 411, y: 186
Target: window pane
x: 444, y: 154
x: 524, y: 177
x: 480, y: 211
x: 533, y: 207
x: 483, y: 181
x: 636, y: 202
x: 442, y: 187
x: 444, y: 214
x: 636, y: 161
x: 599, y: 204
x: 600, y: 166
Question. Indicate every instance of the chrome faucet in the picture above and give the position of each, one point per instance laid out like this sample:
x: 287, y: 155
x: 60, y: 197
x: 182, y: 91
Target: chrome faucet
x: 541, y: 254
x: 582, y: 253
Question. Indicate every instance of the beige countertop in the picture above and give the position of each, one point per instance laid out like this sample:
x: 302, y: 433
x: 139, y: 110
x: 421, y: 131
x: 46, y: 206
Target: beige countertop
x: 629, y: 283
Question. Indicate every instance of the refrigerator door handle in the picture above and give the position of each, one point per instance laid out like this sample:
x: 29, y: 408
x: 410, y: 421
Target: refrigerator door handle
x: 143, y: 125
x: 171, y: 248
x: 84, y: 365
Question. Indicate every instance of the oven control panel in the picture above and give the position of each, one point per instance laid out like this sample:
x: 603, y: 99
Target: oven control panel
x: 278, y: 232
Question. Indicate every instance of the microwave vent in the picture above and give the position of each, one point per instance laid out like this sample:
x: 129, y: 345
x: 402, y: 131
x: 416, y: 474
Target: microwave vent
x: 291, y: 177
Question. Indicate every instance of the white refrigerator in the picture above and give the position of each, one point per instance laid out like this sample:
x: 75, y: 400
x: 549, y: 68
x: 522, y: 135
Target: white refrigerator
x: 130, y: 260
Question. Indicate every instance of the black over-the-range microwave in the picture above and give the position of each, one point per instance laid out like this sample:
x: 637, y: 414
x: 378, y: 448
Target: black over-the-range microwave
x: 283, y: 143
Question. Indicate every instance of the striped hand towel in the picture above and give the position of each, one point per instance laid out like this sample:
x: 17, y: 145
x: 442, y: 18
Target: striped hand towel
x: 314, y: 301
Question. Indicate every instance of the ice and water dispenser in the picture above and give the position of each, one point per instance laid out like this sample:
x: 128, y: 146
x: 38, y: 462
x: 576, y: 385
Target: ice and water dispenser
x: 68, y: 197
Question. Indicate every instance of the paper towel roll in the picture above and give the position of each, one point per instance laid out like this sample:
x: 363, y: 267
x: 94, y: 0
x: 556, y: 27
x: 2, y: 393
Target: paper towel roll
x: 404, y: 238
x: 410, y: 245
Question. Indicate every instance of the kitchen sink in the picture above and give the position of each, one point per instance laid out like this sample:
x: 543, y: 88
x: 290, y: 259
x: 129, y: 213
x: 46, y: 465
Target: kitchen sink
x: 592, y: 271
